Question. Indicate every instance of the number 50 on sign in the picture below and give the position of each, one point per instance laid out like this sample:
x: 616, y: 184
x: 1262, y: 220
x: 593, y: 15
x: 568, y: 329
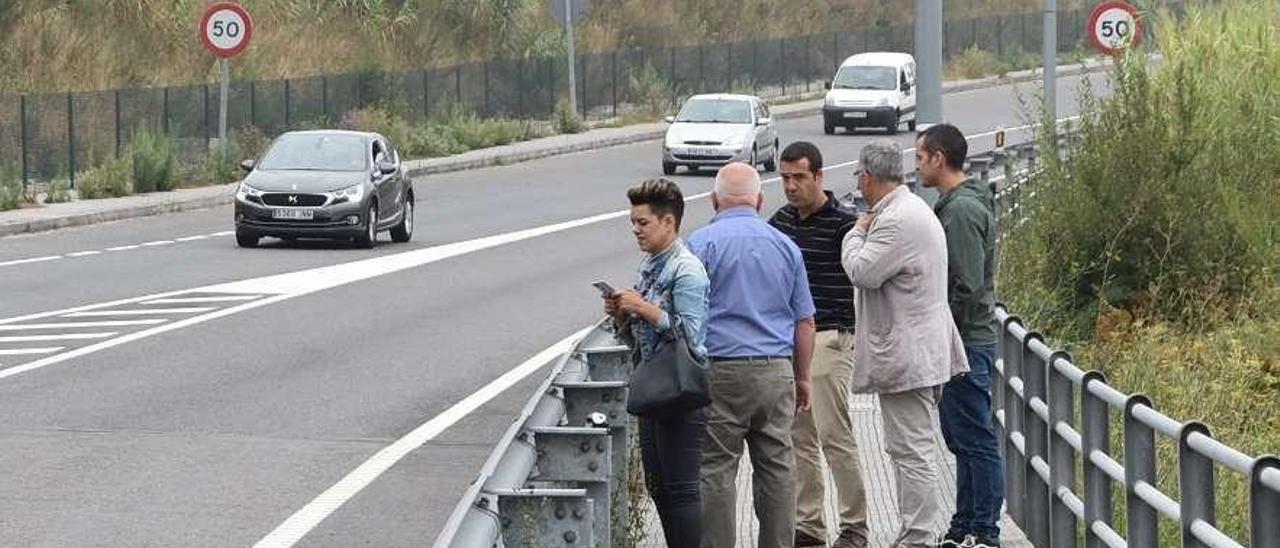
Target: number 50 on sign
x: 225, y: 29
x: 1114, y: 27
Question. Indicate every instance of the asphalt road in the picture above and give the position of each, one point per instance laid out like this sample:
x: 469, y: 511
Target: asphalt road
x: 211, y: 415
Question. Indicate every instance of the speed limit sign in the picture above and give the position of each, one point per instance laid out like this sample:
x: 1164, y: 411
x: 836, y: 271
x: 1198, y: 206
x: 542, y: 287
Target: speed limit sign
x: 225, y: 29
x: 1114, y: 27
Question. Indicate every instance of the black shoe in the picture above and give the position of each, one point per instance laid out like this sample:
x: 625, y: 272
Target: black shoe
x: 985, y: 542
x: 954, y: 539
x: 805, y: 539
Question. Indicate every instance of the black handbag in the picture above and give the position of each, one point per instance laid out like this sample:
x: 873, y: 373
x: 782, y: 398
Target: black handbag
x: 671, y: 381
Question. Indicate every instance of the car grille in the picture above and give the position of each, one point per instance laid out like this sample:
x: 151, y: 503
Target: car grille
x: 703, y: 143
x: 298, y: 200
x: 855, y: 103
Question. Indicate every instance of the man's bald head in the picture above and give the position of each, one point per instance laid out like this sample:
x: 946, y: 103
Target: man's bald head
x: 737, y: 184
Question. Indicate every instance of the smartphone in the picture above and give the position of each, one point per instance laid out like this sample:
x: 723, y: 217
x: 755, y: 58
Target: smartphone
x: 606, y: 290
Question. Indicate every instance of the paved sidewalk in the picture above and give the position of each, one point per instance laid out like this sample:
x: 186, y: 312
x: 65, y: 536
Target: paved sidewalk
x: 877, y: 475
x: 87, y: 212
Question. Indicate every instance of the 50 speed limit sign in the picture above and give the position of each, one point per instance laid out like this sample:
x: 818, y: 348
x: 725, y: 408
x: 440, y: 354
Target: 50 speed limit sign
x: 1114, y: 27
x: 225, y: 29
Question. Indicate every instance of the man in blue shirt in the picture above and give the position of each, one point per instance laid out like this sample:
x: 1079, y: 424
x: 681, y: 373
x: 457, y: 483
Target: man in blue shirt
x: 760, y: 332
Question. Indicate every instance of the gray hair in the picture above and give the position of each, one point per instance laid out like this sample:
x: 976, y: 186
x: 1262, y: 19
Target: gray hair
x: 882, y: 159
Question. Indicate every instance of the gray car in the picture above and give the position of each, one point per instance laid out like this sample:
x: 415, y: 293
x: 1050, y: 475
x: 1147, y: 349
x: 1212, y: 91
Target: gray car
x: 713, y: 130
x: 328, y: 184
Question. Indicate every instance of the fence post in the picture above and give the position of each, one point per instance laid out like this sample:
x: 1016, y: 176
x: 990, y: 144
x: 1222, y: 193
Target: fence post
x: 674, y: 91
x: 1062, y: 469
x: 585, y: 105
x: 253, y: 103
x: 1015, y: 460
x: 1139, y: 466
x: 457, y: 84
x: 118, y: 128
x: 808, y: 56
x: 613, y: 72
x: 1195, y: 484
x: 204, y: 104
x: 426, y: 97
x: 782, y: 63
x: 702, y: 84
x: 1095, y: 436
x: 728, y: 65
x: 1037, y: 437
x: 835, y: 48
x: 486, y: 87
x: 1000, y: 36
x: 755, y: 64
x: 551, y: 87
x: 1264, y: 531
x: 71, y: 140
x: 164, y: 111
x: 286, y: 104
x: 22, y: 128
x: 324, y: 97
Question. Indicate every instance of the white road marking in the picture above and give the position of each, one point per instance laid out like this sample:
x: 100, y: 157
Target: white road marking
x: 138, y: 312
x: 66, y: 325
x: 157, y: 243
x: 304, y: 520
x: 30, y: 351
x: 193, y: 238
x: 223, y: 233
x: 61, y: 337
x: 196, y: 300
x: 84, y: 253
x: 123, y: 247
x: 32, y: 260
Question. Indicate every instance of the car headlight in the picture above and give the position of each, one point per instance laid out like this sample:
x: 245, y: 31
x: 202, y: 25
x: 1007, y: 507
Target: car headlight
x: 352, y: 193
x: 247, y: 193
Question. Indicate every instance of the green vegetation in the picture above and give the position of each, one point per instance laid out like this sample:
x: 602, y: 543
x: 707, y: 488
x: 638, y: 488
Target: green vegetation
x: 1151, y: 250
x: 152, y: 158
x: 109, y: 180
x: 59, y: 191
x: 11, y: 195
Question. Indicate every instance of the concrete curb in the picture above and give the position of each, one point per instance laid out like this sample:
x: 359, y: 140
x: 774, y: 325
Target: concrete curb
x: 497, y: 156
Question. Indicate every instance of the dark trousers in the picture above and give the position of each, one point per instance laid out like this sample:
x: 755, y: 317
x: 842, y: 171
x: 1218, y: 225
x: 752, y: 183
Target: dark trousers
x: 671, y: 449
x: 968, y: 428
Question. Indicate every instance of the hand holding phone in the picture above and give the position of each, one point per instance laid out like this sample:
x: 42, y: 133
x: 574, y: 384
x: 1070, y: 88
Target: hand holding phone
x: 606, y: 290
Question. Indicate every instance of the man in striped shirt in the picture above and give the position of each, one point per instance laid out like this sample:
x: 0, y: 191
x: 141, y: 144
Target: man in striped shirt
x: 817, y: 223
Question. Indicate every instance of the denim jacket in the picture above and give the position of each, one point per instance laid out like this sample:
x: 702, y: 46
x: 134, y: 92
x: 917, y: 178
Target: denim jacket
x: 676, y: 281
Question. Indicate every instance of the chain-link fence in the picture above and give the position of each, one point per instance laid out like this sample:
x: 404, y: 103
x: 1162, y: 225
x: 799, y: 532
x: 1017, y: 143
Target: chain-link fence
x: 50, y: 136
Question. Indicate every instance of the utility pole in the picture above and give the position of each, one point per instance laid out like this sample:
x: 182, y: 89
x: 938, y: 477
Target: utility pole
x: 928, y: 54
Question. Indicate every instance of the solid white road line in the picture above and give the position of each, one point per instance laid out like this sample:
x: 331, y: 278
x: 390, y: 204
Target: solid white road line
x: 223, y: 233
x: 306, y: 519
x: 197, y: 300
x: 33, y: 260
x: 30, y: 351
x: 60, y: 337
x: 73, y: 325
x: 138, y: 312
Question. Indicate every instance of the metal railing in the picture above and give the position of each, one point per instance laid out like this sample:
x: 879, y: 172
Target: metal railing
x: 1035, y: 405
x: 560, y: 476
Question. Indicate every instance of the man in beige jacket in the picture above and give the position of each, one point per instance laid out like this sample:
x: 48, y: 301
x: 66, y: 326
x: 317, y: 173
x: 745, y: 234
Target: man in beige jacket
x: 906, y: 344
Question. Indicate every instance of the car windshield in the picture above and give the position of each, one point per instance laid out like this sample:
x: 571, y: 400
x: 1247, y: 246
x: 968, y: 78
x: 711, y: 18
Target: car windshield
x: 866, y: 77
x: 316, y: 152
x: 726, y: 111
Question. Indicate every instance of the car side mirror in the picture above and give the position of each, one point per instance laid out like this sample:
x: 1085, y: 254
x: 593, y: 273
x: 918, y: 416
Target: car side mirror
x: 764, y: 121
x: 386, y: 168
x: 246, y: 165
x: 670, y: 119
x: 826, y: 85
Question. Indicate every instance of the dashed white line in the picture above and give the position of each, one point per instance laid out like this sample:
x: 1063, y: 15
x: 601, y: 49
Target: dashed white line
x: 193, y: 238
x: 73, y: 325
x: 32, y: 260
x: 139, y: 312
x: 30, y: 351
x: 89, y: 253
x: 123, y: 247
x: 223, y: 233
x: 156, y: 243
x: 84, y: 253
x: 196, y: 300
x: 60, y: 337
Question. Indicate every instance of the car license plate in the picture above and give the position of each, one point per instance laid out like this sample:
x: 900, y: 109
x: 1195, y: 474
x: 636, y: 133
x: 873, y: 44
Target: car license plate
x: 855, y: 115
x: 701, y: 151
x: 293, y: 214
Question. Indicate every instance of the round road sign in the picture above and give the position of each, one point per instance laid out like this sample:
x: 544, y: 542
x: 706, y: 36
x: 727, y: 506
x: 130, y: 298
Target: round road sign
x: 1114, y: 27
x: 225, y: 29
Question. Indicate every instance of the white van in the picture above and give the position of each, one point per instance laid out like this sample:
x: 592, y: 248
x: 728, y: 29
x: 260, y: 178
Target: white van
x: 872, y: 90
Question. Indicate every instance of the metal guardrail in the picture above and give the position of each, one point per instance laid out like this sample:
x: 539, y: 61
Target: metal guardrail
x: 560, y: 474
x: 1035, y: 406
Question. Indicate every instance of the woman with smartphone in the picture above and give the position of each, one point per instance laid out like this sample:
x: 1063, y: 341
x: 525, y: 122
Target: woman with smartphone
x: 671, y: 292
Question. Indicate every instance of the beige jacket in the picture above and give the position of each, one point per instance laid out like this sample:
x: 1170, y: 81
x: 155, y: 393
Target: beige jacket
x: 905, y: 337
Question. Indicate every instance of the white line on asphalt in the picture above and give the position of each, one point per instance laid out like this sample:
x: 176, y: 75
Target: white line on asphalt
x: 62, y: 337
x: 30, y: 351
x: 306, y: 519
x: 84, y: 253
x: 123, y: 247
x: 223, y: 233
x: 33, y: 260
x: 195, y: 300
x: 156, y: 243
x: 138, y: 312
x: 193, y: 238
x: 66, y: 325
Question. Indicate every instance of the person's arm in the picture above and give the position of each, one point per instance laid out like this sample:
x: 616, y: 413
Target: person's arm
x: 806, y: 329
x: 966, y: 253
x: 871, y: 252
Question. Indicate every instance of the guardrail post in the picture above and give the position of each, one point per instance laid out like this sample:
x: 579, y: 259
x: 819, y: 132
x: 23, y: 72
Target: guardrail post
x: 1139, y: 466
x: 583, y: 456
x: 611, y: 363
x: 546, y: 517
x: 1264, y: 502
x: 1095, y: 436
x: 1062, y: 469
x: 1038, y: 495
x: 1195, y: 484
x: 1014, y: 460
x: 982, y: 164
x: 609, y: 398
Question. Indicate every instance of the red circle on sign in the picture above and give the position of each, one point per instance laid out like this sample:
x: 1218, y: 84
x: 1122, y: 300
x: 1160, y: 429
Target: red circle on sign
x: 1093, y: 25
x: 204, y: 25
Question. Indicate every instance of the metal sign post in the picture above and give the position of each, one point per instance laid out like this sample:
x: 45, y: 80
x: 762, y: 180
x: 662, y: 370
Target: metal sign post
x: 928, y: 54
x: 225, y: 29
x: 568, y: 12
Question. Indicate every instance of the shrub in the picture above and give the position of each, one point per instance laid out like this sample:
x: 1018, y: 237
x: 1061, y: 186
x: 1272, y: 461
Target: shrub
x: 59, y: 192
x: 152, y: 159
x: 222, y: 166
x: 378, y: 120
x: 567, y: 120
x: 11, y: 188
x: 975, y: 63
x: 250, y: 142
x: 109, y: 180
x: 649, y: 92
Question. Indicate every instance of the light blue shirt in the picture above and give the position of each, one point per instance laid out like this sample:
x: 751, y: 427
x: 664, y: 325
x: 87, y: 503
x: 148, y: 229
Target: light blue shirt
x: 759, y: 289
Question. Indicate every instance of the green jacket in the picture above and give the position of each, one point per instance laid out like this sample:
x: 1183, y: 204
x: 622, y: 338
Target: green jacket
x: 967, y: 216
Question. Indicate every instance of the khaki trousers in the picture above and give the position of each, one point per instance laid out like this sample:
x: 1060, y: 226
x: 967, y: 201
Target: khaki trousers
x: 910, y: 435
x: 752, y: 402
x: 828, y: 431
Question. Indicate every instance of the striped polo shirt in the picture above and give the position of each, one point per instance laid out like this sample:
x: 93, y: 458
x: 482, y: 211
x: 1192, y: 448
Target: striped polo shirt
x: 819, y: 237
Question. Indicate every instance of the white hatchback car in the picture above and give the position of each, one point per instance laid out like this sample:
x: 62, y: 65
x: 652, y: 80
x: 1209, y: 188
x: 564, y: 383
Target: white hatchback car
x: 714, y: 130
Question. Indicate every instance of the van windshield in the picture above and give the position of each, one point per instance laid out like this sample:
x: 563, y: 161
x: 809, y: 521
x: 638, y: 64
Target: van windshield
x: 866, y: 77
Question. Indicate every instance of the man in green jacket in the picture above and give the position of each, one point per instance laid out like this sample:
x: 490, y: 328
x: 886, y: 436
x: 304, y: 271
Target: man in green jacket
x: 967, y: 212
